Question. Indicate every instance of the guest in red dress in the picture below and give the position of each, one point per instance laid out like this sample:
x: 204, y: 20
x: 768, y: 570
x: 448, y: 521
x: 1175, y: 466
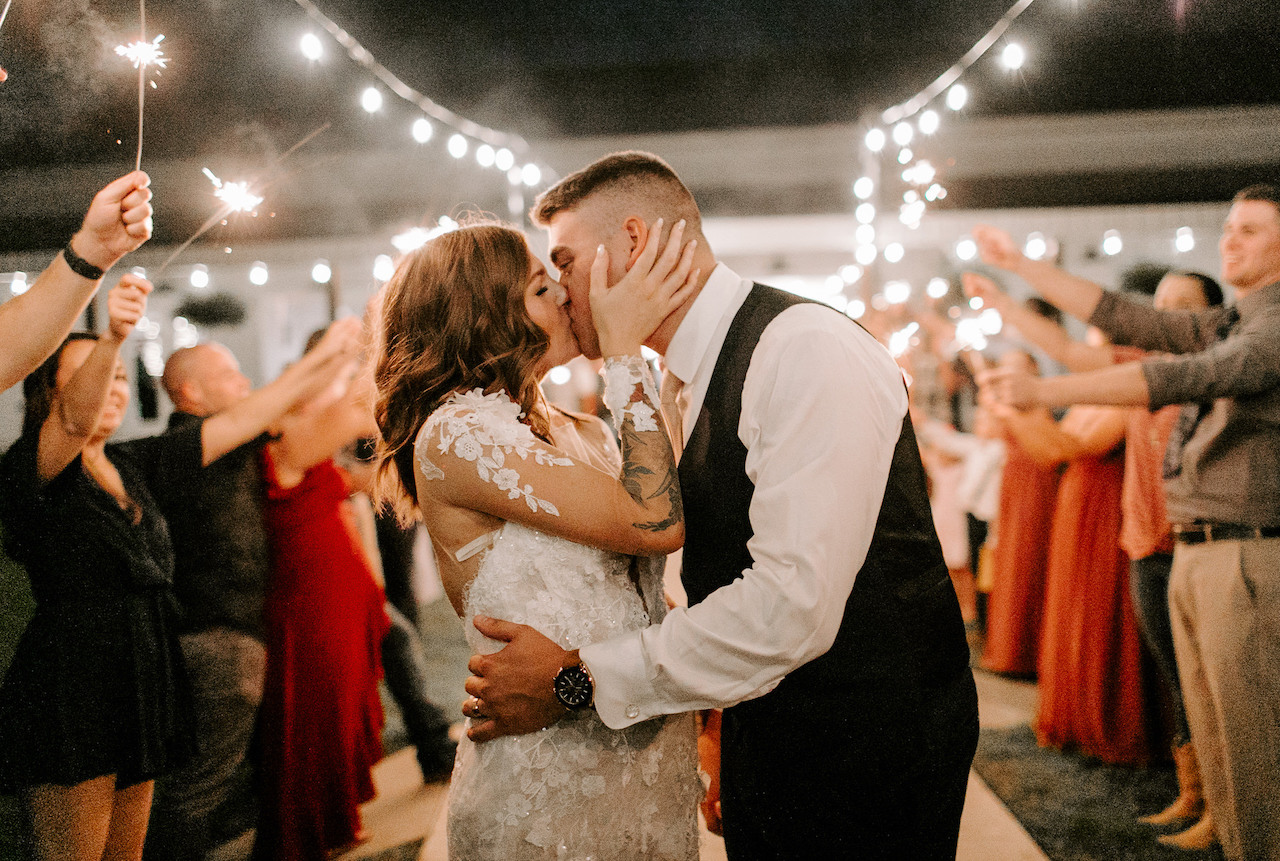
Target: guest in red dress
x: 1019, y: 561
x: 321, y: 717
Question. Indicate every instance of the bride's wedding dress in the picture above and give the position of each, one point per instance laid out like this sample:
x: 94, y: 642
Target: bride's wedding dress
x: 577, y: 789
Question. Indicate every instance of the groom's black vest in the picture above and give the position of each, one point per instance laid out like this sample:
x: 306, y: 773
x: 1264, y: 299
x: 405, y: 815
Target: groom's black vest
x: 902, y: 619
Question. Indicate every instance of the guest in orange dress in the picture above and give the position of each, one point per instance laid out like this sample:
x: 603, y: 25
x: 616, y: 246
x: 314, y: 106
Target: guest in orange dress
x: 1019, y: 560
x: 1090, y: 676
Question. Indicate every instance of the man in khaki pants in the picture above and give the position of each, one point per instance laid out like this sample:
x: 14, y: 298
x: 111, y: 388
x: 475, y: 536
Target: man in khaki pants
x: 1222, y: 481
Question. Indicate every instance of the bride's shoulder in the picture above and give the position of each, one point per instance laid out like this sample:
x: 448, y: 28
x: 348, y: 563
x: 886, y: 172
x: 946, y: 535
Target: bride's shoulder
x: 486, y: 419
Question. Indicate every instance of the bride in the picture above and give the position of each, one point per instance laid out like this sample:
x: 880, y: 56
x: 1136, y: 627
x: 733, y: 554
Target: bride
x: 535, y: 517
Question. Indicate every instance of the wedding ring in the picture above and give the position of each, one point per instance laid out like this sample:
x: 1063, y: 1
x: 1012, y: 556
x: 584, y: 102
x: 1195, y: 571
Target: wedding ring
x: 473, y: 709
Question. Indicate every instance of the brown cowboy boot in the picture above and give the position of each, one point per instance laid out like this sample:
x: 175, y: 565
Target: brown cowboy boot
x: 1190, y: 801
x: 1196, y: 838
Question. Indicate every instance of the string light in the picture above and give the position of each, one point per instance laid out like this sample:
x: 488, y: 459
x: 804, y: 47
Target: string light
x: 485, y: 155
x: 929, y: 122
x: 321, y: 273
x: 200, y: 276
x: 457, y: 146
x: 362, y: 56
x: 258, y: 274
x: 371, y: 100
x: 1013, y: 56
x: 311, y: 46
x: 1036, y: 246
x: 422, y: 130
x: 957, y: 97
x: 1112, y: 244
x: 937, y: 288
x: 383, y: 267
x: 863, y: 187
x: 1184, y: 240
x: 875, y: 140
x: 966, y: 249
x: 893, y: 252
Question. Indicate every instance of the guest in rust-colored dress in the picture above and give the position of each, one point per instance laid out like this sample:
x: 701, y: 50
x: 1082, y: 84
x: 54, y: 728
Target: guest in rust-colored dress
x: 1019, y: 561
x: 321, y: 717
x: 1091, y: 688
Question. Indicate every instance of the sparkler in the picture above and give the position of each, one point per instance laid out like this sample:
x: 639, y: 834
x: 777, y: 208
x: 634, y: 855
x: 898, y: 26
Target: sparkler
x: 143, y: 54
x: 236, y: 195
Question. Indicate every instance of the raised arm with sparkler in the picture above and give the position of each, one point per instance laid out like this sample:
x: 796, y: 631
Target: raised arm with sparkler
x: 33, y: 324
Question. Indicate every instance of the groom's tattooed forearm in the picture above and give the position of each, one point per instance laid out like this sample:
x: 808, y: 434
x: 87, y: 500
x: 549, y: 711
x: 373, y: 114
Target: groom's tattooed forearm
x: 645, y: 484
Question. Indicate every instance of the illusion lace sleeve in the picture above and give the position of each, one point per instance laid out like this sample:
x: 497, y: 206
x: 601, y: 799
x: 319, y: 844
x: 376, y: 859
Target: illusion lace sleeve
x: 480, y: 432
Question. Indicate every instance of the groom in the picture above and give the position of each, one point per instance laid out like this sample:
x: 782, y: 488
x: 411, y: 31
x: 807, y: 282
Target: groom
x: 821, y: 618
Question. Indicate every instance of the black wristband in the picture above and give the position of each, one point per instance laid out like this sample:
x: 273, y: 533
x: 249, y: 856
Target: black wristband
x: 80, y: 266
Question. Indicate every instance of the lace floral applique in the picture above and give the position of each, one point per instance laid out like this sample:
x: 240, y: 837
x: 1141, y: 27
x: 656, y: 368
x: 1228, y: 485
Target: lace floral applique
x: 621, y: 374
x: 486, y: 430
x: 429, y: 470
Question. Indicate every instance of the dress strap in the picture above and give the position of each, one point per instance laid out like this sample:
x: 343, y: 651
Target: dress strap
x: 484, y: 542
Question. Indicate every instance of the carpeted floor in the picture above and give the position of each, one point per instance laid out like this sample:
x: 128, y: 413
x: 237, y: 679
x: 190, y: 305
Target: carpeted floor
x: 1076, y: 808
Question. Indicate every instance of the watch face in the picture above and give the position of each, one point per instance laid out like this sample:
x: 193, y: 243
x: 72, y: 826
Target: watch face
x: 573, y: 687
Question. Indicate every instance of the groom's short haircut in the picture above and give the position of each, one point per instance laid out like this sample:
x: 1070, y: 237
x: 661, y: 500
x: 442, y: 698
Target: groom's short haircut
x: 633, y: 173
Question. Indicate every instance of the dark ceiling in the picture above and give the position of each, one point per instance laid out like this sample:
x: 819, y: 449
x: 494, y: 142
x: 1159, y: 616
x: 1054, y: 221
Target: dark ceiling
x: 237, y: 82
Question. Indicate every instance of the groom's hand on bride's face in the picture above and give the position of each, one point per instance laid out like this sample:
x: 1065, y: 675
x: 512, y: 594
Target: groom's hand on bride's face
x: 514, y: 684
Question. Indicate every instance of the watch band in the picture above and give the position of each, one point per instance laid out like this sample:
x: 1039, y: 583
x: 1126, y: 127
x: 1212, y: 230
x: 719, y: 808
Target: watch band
x: 79, y: 265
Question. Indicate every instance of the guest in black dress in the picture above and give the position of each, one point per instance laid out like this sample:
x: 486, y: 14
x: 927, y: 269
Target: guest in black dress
x: 94, y: 705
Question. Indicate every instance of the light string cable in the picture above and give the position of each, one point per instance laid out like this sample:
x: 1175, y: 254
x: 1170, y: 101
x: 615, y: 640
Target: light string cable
x: 360, y: 54
x: 913, y: 105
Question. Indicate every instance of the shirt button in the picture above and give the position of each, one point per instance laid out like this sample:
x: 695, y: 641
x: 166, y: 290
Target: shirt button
x: 633, y: 711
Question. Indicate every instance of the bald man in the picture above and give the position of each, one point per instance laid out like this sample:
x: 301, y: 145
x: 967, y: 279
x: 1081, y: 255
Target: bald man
x: 220, y: 550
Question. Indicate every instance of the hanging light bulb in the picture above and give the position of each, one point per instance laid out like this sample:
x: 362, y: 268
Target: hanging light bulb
x: 531, y: 174
x: 422, y: 130
x: 200, y: 276
x: 902, y: 133
x: 875, y: 140
x: 893, y: 252
x: 1013, y: 56
x: 258, y: 274
x: 1184, y: 240
x: 937, y: 288
x: 504, y: 159
x: 371, y: 100
x: 865, y: 213
x: 311, y: 46
x: 957, y: 96
x: 928, y: 122
x: 863, y: 187
x: 457, y: 146
x: 966, y: 249
x: 485, y: 155
x: 1112, y: 244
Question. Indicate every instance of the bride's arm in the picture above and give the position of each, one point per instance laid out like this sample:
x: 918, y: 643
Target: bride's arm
x: 475, y: 453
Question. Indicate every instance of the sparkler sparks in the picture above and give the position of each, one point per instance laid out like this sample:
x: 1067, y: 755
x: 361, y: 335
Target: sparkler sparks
x: 235, y: 195
x: 143, y: 54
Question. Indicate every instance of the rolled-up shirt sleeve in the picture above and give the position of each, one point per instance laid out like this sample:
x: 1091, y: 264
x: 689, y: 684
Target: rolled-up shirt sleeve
x: 1139, y: 325
x: 823, y: 406
x: 1246, y: 363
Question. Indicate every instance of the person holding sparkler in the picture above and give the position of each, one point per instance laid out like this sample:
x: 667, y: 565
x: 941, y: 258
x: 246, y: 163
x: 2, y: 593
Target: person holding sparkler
x: 34, y: 323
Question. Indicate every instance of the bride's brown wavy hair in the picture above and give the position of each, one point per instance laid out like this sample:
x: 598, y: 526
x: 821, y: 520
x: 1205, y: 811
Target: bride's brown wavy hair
x: 453, y: 319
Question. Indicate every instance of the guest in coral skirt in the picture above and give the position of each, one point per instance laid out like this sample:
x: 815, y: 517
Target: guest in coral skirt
x: 1019, y: 561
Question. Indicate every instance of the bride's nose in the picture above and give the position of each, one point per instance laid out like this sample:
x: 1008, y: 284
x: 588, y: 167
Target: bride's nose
x: 561, y: 294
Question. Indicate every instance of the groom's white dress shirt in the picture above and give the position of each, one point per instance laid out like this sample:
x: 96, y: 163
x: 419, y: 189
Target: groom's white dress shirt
x: 822, y: 408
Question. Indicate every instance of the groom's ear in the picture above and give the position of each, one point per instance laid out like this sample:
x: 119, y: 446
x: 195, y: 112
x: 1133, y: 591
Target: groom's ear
x: 637, y: 234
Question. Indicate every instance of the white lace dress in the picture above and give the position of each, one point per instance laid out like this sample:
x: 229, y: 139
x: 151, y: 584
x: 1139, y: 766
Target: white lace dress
x: 577, y: 790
